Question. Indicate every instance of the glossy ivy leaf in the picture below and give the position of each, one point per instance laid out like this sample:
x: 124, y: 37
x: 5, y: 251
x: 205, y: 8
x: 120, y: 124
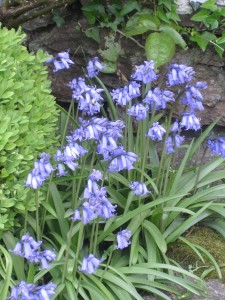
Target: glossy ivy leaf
x: 160, y: 48
x: 140, y: 23
x: 177, y: 38
x: 203, y: 39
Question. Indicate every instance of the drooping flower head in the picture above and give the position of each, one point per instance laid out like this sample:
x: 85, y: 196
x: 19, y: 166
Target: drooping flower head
x: 145, y: 73
x: 139, y: 188
x: 62, y: 61
x: 30, y: 249
x: 190, y: 121
x: 93, y: 67
x: 217, y: 146
x: 123, y: 239
x: 90, y: 101
x: 90, y: 264
x: 29, y: 291
x: 193, y: 97
x: 121, y: 160
x: 139, y: 111
x: 179, y: 74
x: 156, y: 132
x: 158, y: 98
x: 26, y: 246
x: 173, y: 140
x: 121, y: 96
x: 42, y: 169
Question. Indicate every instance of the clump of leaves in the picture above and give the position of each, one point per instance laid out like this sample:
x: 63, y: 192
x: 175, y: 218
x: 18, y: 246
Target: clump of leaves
x: 28, y: 119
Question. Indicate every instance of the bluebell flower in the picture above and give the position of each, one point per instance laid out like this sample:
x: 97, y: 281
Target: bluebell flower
x: 88, y: 213
x: 217, y: 146
x: 106, y: 145
x: 175, y: 127
x: 30, y: 291
x: 139, y: 188
x: 173, y: 140
x: 62, y: 61
x: 104, y: 209
x: 158, y: 98
x: 90, y: 264
x: 26, y: 247
x: 95, y: 175
x: 90, y: 129
x: 42, y: 169
x: 90, y: 101
x: 61, y: 170
x: 190, y: 121
x: 121, y: 160
x: 76, y: 215
x: 43, y: 257
x: 145, y: 73
x: 139, y: 111
x: 73, y: 149
x: 124, y: 95
x: 70, y: 163
x: 193, y: 98
x: 34, y: 180
x: 121, y: 96
x: 123, y: 239
x: 178, y: 140
x: 78, y: 86
x: 169, y: 145
x: 156, y: 132
x: 93, y: 67
x: 179, y: 74
x: 133, y: 89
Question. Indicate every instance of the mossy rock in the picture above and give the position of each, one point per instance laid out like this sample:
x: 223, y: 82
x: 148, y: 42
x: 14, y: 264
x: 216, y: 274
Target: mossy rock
x: 206, y: 238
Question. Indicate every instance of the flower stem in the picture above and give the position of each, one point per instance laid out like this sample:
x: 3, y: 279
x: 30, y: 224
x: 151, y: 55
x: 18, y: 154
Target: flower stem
x: 37, y: 215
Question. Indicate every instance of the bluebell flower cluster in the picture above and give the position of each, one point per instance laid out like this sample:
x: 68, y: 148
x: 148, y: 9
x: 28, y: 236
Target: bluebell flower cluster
x: 124, y: 95
x: 30, y: 249
x: 139, y: 188
x: 158, y: 99
x: 90, y: 264
x: 93, y: 67
x: 42, y: 169
x: 179, y: 74
x: 156, y: 132
x: 139, y: 111
x: 217, y: 146
x: 174, y: 139
x: 89, y: 97
x: 145, y: 73
x: 122, y: 238
x: 29, y: 291
x: 98, y: 204
x: 61, y: 61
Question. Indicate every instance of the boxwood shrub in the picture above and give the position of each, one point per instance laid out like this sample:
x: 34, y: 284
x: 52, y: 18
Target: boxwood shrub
x: 28, y: 121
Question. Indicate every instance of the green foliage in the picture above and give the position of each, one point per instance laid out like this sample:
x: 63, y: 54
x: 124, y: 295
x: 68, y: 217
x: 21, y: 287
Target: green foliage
x: 28, y: 119
x: 182, y: 196
x: 149, y: 20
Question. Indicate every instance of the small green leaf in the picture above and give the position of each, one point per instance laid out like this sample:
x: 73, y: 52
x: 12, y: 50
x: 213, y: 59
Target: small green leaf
x: 7, y: 94
x: 160, y: 48
x: 203, y: 39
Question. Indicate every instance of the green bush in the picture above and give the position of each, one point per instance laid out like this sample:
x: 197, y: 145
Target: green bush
x: 28, y: 119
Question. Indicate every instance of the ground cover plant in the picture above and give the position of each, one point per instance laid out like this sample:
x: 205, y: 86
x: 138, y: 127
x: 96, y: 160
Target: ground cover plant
x: 115, y: 195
